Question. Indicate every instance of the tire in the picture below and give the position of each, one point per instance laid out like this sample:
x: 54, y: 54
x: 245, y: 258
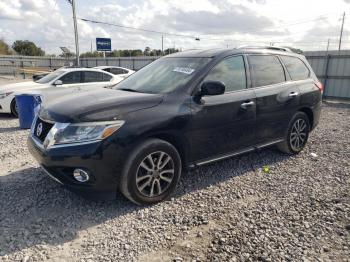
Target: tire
x: 14, y: 109
x: 297, y: 134
x: 143, y: 171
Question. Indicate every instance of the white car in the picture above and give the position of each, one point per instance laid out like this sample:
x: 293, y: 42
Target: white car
x: 61, y: 79
x: 116, y: 70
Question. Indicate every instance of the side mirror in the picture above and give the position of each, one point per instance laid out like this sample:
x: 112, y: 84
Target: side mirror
x: 212, y: 88
x: 58, y: 83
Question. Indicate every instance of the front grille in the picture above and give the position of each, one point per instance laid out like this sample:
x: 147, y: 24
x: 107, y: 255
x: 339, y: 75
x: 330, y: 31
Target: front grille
x: 42, y: 131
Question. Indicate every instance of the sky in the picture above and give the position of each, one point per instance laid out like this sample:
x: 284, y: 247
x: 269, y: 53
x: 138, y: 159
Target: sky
x: 305, y: 24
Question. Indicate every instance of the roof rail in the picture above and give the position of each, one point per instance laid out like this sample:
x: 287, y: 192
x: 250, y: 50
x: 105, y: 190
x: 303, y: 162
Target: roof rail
x: 277, y: 48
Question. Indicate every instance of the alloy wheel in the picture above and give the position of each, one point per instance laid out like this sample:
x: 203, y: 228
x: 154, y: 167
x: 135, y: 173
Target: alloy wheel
x: 298, y: 135
x: 155, y: 174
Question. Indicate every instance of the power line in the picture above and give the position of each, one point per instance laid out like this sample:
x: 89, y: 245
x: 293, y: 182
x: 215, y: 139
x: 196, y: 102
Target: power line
x: 159, y: 32
x: 138, y: 29
x: 174, y: 34
x: 205, y: 38
x: 285, y: 25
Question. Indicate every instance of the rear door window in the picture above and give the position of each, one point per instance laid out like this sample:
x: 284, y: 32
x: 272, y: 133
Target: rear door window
x: 296, y: 68
x: 71, y: 78
x: 231, y: 72
x: 118, y: 71
x: 266, y: 70
x: 91, y: 76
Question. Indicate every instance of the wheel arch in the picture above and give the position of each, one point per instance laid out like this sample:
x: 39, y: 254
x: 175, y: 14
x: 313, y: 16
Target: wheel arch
x: 310, y: 115
x: 177, y: 142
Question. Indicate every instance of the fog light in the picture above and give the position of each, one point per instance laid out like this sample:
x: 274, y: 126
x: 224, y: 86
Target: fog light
x: 80, y: 175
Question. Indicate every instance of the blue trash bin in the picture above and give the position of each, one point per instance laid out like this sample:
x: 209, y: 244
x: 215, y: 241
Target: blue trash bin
x: 27, y: 107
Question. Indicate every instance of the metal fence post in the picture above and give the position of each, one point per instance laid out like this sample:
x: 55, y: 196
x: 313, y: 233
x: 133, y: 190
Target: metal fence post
x: 328, y: 57
x: 14, y: 68
x: 22, y: 66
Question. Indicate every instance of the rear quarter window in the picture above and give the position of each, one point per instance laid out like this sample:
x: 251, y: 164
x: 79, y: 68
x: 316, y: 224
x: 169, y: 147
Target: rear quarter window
x: 266, y: 70
x: 118, y: 71
x: 296, y: 68
x: 107, y: 77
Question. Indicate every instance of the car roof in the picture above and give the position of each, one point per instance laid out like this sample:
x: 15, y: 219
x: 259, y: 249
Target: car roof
x: 199, y: 53
x: 104, y: 67
x: 72, y: 69
x: 212, y: 53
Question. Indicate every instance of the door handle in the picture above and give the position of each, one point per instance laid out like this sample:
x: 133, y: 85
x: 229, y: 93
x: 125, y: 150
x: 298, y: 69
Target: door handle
x: 245, y: 105
x: 293, y: 94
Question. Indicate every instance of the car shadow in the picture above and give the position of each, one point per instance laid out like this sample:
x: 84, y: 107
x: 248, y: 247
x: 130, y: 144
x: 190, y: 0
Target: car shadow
x: 35, y: 210
x: 4, y: 116
x: 7, y: 117
x: 9, y: 129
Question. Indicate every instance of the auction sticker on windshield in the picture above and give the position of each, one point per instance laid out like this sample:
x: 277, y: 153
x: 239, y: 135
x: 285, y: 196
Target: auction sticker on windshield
x: 184, y: 70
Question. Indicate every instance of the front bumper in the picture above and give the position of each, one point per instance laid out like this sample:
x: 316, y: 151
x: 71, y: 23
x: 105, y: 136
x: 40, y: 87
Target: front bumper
x: 100, y: 159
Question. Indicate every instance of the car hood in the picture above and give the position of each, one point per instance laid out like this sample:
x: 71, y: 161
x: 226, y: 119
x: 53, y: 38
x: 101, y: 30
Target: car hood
x: 96, y: 105
x: 20, y: 87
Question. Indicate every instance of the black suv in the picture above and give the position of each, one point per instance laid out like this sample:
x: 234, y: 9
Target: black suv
x: 183, y: 110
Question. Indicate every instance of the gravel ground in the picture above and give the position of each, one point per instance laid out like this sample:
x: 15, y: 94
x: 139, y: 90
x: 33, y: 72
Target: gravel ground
x: 231, y: 210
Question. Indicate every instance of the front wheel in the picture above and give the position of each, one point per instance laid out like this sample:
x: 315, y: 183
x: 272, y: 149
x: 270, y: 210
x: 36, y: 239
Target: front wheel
x: 151, y: 172
x: 297, y: 134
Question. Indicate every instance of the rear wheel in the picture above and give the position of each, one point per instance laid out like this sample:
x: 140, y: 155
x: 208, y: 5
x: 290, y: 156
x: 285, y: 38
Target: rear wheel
x: 14, y: 108
x: 151, y: 173
x: 297, y: 134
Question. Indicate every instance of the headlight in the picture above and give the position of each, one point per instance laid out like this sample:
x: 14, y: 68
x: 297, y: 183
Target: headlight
x: 3, y: 95
x: 64, y: 133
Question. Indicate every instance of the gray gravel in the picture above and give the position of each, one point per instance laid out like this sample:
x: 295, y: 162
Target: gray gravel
x: 231, y: 210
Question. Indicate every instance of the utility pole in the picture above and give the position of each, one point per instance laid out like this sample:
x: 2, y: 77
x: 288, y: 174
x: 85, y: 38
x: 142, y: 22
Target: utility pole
x: 328, y: 44
x: 162, y: 45
x: 72, y: 2
x: 341, y: 31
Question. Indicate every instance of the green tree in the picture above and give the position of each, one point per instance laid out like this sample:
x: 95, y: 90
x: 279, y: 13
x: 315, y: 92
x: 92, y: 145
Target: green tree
x: 122, y: 53
x: 156, y: 52
x: 27, y: 48
x: 5, y: 48
x: 170, y: 51
x: 147, y: 51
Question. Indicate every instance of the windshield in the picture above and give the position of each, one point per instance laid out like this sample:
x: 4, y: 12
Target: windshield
x: 48, y: 78
x: 163, y: 76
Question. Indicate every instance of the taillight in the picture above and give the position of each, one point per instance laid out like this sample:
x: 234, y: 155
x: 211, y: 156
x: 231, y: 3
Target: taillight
x: 320, y: 86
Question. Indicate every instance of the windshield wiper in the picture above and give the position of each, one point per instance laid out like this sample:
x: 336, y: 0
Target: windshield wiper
x: 129, y: 90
